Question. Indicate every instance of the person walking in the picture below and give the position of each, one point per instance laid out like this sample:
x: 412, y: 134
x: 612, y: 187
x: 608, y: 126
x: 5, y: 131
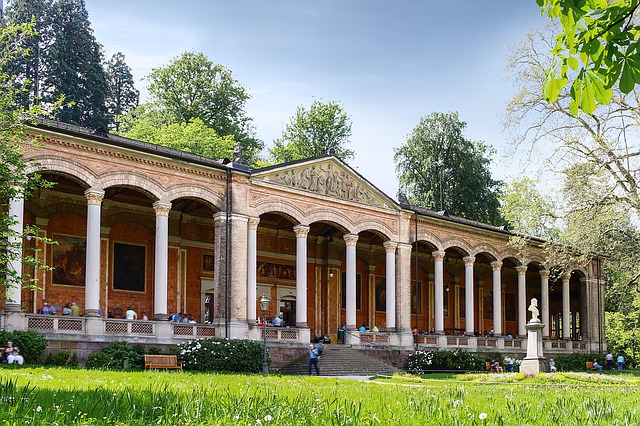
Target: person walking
x: 620, y: 360
x: 313, y: 359
x: 609, y: 361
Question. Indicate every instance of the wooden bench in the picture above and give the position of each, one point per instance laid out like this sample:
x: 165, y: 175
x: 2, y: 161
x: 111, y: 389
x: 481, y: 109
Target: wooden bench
x: 498, y: 369
x: 590, y: 366
x: 162, y: 361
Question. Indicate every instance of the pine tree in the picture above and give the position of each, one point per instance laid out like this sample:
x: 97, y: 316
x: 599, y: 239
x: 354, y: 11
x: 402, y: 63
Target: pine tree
x: 29, y: 69
x: 122, y: 96
x: 75, y: 67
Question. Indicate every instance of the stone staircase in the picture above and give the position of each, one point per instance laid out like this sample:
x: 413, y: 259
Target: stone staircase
x: 341, y: 360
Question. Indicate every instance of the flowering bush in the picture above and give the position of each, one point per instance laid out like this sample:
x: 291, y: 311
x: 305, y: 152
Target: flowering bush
x: 218, y: 354
x: 457, y: 359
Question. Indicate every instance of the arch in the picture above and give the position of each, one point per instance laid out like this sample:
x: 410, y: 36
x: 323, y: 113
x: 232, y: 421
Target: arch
x: 457, y: 243
x: 279, y: 206
x: 133, y: 180
x: 341, y: 220
x: 510, y: 253
x: 426, y: 236
x: 485, y: 248
x: 376, y: 227
x: 577, y: 268
x: 198, y: 192
x: 537, y: 260
x: 78, y: 172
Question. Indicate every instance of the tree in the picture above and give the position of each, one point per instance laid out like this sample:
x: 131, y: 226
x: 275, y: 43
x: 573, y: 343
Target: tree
x: 75, y: 68
x: 438, y: 168
x: 605, y: 140
x: 598, y: 47
x: 122, y: 96
x: 192, y: 87
x: 30, y: 69
x: 316, y: 131
x: 526, y: 210
x: 15, y: 182
x: 194, y: 137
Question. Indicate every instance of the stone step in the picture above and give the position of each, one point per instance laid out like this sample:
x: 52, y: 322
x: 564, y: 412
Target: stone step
x: 340, y: 360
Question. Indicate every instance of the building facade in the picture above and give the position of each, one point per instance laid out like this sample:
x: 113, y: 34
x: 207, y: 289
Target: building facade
x: 162, y: 231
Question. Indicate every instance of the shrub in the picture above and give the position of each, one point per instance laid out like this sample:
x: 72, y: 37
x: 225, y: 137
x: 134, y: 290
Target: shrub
x: 218, y: 354
x: 99, y: 360
x: 457, y: 359
x: 576, y: 362
x: 59, y: 358
x: 30, y: 343
x: 120, y: 350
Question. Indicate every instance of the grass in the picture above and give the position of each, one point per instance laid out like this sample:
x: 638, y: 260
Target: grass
x: 58, y: 396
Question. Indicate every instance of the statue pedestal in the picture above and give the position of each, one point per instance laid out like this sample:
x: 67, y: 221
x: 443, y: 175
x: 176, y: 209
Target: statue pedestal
x: 534, y: 362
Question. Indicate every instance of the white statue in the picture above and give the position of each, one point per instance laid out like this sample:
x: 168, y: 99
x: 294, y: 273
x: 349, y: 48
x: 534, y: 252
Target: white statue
x: 533, y: 308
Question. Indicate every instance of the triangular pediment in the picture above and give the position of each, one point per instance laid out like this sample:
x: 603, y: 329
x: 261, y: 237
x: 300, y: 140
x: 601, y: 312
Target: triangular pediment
x: 326, y: 176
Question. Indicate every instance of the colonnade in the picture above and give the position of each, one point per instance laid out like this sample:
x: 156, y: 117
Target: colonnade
x: 394, y: 292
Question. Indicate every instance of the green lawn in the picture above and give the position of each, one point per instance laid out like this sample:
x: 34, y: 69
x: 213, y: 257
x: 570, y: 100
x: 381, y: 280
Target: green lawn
x: 55, y: 396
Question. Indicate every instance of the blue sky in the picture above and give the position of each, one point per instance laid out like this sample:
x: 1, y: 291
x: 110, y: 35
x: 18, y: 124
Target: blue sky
x: 387, y: 62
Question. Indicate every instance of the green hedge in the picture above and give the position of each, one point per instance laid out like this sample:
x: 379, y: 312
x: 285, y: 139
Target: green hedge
x: 30, y: 344
x: 114, y: 355
x: 216, y: 354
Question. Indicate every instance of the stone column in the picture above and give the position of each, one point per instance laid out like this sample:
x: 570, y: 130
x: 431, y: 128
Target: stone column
x: 161, y: 260
x: 390, y: 306
x: 566, y: 308
x: 14, y: 290
x: 252, y: 265
x: 497, y: 298
x: 301, y: 275
x: 438, y: 291
x: 468, y: 295
x: 522, y: 300
x: 351, y: 240
x: 544, y: 302
x: 403, y: 288
x: 92, y: 266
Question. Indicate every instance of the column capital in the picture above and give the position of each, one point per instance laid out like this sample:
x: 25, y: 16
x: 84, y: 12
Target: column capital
x: 544, y: 274
x: 405, y: 246
x: 496, y: 266
x: 301, y: 231
x: 94, y: 196
x: 522, y: 269
x: 350, y: 239
x: 162, y: 208
x: 566, y: 277
x: 438, y: 255
x: 469, y: 260
x: 253, y: 223
x: 390, y: 246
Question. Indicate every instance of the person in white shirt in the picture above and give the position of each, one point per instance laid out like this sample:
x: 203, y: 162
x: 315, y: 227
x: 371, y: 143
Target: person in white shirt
x: 131, y: 314
x: 277, y: 321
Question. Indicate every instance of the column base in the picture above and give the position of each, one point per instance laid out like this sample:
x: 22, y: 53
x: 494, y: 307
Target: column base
x: 91, y: 313
x: 533, y: 366
x: 160, y: 317
x: 12, y: 307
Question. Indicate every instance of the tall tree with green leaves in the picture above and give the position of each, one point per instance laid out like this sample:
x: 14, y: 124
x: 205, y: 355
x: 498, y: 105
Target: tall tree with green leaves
x: 31, y: 69
x: 599, y: 46
x: 440, y: 169
x: 192, y: 87
x: 324, y: 127
x: 122, y: 95
x: 15, y: 141
x: 195, y: 137
x: 75, y: 68
x: 527, y: 211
